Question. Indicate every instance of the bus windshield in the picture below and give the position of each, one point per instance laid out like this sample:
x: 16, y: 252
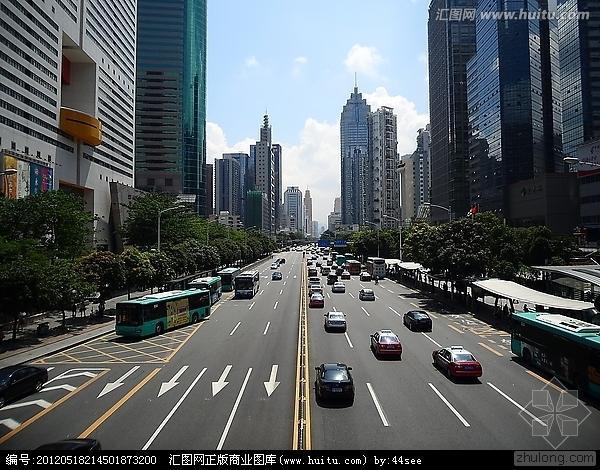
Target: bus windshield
x: 244, y: 283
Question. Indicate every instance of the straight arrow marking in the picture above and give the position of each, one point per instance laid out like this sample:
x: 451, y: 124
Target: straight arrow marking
x: 166, y: 386
x: 110, y: 386
x: 221, y: 384
x: 271, y: 385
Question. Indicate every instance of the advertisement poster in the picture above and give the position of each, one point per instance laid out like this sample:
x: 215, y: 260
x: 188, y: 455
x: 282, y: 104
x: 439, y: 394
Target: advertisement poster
x: 10, y: 181
x: 22, y: 179
x: 46, y: 178
x: 177, y: 313
x: 35, y: 178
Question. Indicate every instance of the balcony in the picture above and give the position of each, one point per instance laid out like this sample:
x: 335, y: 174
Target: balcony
x: 81, y: 126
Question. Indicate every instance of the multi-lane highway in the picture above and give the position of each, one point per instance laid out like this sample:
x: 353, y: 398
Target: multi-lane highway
x: 231, y: 381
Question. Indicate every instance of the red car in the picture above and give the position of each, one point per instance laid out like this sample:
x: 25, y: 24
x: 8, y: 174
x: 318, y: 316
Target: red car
x: 456, y: 361
x: 316, y: 301
x: 386, y: 342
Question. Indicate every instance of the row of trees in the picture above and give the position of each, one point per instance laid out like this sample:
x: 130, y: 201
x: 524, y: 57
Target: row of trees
x: 47, y: 261
x: 482, y: 246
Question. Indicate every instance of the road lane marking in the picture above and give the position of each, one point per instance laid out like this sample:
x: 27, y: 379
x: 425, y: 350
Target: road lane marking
x: 542, y: 379
x: 491, y: 349
x: 266, y: 328
x: 334, y: 309
x: 503, y: 347
x: 260, y: 293
x: 376, y: 296
x: 284, y: 283
x: 68, y: 388
x: 281, y: 292
x: 50, y: 368
x: 389, y: 290
x: 172, y: 383
x: 449, y: 405
x: 431, y: 339
x: 96, y: 424
x: 456, y: 329
x: 377, y: 405
x: 348, y: 339
x: 110, y: 386
x: 232, y: 414
x: 272, y: 384
x: 394, y: 311
x: 350, y: 294
x: 364, y: 310
x: 516, y: 404
x: 10, y: 423
x: 275, y: 306
x: 41, y: 403
x: 222, y: 382
x: 251, y: 305
x: 432, y: 315
x: 414, y: 304
x: 235, y: 328
x: 328, y: 296
x: 361, y: 286
x: 268, y: 282
x: 173, y: 410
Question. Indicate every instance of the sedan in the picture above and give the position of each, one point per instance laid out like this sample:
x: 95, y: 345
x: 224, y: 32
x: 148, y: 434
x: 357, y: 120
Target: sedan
x: 274, y: 266
x: 18, y: 381
x: 345, y: 275
x: 335, y: 321
x: 335, y: 381
x: 417, y: 320
x: 319, y: 264
x: 456, y: 361
x: 386, y: 342
x: 276, y: 276
x: 366, y: 294
x: 339, y: 287
x: 316, y: 301
x: 365, y: 276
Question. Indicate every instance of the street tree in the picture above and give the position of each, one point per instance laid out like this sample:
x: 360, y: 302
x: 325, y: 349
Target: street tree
x: 139, y: 272
x: 105, y: 271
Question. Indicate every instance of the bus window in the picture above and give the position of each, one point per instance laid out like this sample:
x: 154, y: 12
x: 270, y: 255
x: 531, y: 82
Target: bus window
x: 129, y: 315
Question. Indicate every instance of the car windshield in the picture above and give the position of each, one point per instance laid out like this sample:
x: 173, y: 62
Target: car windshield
x: 388, y: 339
x: 336, y: 316
x: 463, y: 357
x: 317, y: 297
x: 367, y: 291
x: 335, y: 374
x: 419, y: 315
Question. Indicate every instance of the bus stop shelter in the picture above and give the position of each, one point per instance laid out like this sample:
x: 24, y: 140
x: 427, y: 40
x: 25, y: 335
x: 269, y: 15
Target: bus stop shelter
x: 584, y: 279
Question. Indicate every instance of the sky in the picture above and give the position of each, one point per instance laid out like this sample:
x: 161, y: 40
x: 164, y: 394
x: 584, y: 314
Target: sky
x: 296, y: 60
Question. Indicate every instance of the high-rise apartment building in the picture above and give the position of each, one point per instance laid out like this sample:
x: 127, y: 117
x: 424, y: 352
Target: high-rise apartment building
x: 408, y: 177
x: 415, y: 176
x: 227, y: 186
x: 67, y: 88
x: 171, y: 97
x: 355, y: 163
x: 294, y: 209
x: 277, y: 178
x: 451, y: 46
x: 307, y: 212
x: 264, y: 168
x: 246, y: 180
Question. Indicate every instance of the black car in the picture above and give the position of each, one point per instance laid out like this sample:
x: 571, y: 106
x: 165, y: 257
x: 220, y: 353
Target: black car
x: 18, y: 381
x: 77, y: 446
x: 417, y: 320
x: 334, y: 381
x: 281, y: 260
x: 276, y: 276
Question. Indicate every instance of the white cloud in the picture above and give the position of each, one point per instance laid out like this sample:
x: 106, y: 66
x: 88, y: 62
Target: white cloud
x: 424, y: 59
x: 364, y: 60
x: 409, y: 119
x: 299, y: 66
x: 216, y: 143
x: 251, y: 62
x: 301, y: 60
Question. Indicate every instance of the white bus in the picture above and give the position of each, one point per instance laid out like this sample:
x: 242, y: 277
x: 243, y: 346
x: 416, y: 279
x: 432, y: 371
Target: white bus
x: 247, y: 284
x: 376, y: 267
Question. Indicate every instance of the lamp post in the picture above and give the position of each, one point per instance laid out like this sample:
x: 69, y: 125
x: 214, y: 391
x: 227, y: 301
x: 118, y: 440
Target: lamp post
x: 399, y: 236
x: 160, y: 213
x: 377, y: 226
x: 447, y: 209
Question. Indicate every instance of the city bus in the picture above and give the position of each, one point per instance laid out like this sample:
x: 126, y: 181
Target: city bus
x: 353, y: 267
x: 376, y: 267
x: 562, y: 346
x: 156, y: 313
x: 227, y: 276
x: 340, y: 260
x: 247, y: 284
x: 211, y: 284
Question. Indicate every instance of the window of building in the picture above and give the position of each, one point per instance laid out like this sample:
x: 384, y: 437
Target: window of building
x: 13, y: 146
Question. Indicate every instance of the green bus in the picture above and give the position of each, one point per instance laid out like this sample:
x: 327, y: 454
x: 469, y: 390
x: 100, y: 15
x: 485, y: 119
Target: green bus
x: 563, y: 346
x: 228, y: 276
x: 156, y: 313
x: 340, y: 260
x: 211, y: 284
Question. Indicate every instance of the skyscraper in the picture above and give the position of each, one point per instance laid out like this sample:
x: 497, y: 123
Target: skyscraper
x: 171, y: 97
x: 451, y: 45
x: 415, y: 176
x: 246, y: 180
x: 278, y: 190
x: 354, y: 140
x: 307, y: 212
x: 514, y: 105
x: 294, y: 209
x: 210, y: 189
x: 264, y: 161
x: 227, y: 186
x: 67, y: 100
x: 384, y: 193
x: 337, y: 205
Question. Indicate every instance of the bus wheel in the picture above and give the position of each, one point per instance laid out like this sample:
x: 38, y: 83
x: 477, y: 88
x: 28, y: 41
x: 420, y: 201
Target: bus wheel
x: 527, y: 356
x: 195, y: 318
x: 159, y: 328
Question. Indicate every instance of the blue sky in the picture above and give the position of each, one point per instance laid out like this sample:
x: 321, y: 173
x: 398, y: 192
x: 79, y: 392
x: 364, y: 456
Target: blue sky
x: 297, y: 59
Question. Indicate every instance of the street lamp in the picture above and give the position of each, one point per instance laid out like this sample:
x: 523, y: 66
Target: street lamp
x: 447, y: 209
x: 399, y: 236
x: 375, y: 225
x: 160, y: 213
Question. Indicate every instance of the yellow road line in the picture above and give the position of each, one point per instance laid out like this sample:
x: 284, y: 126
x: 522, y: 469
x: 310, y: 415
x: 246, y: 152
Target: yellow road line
x: 418, y: 306
x: 298, y: 353
x: 117, y: 405
x: 54, y: 405
x: 547, y: 382
x: 140, y: 351
x: 491, y: 349
x: 456, y: 329
x: 432, y: 315
x: 102, y: 353
x: 176, y: 350
x: 307, y: 435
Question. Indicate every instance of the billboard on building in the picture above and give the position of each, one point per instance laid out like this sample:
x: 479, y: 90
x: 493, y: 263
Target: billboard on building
x: 30, y: 178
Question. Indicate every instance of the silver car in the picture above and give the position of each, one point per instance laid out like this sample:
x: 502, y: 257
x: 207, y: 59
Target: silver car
x: 339, y: 287
x: 335, y: 321
x: 366, y: 294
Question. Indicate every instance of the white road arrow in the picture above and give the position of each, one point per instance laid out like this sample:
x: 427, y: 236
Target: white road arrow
x: 110, y: 386
x: 10, y: 423
x: 221, y: 384
x: 166, y: 386
x: 68, y: 388
x: 41, y: 403
x: 271, y: 385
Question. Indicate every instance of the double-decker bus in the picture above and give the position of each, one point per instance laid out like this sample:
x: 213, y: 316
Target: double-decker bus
x: 247, y: 284
x: 211, y: 284
x: 376, y: 267
x: 227, y: 276
x: 156, y: 313
x: 353, y: 267
x: 563, y: 346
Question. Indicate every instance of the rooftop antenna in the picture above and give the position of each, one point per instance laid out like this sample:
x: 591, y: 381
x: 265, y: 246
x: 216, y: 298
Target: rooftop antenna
x: 355, y: 83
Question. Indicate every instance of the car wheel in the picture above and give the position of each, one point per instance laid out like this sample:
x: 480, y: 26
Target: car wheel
x: 195, y: 318
x: 38, y: 385
x: 159, y: 328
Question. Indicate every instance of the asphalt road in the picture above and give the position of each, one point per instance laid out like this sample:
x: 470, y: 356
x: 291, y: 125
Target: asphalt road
x: 203, y: 386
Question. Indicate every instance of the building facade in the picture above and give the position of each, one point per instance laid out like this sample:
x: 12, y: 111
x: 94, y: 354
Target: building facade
x: 294, y: 209
x: 228, y: 187
x: 408, y: 178
x: 209, y: 182
x: 451, y: 46
x: 246, y: 182
x: 264, y: 168
x: 278, y: 179
x: 308, y: 222
x: 229, y: 220
x: 67, y: 102
x: 171, y: 98
x: 355, y: 163
x: 258, y: 213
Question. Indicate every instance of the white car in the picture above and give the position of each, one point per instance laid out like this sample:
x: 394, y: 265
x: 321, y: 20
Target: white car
x: 335, y: 321
x: 339, y: 287
x: 274, y: 266
x: 345, y: 275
